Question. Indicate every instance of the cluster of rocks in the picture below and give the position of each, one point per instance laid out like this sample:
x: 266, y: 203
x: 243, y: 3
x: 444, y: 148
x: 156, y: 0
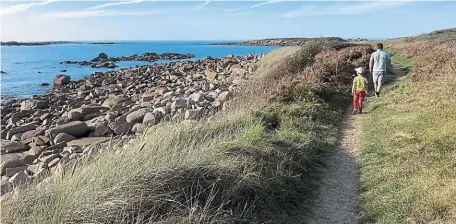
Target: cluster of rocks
x: 153, y: 57
x: 282, y: 41
x: 67, y: 121
x: 103, y: 61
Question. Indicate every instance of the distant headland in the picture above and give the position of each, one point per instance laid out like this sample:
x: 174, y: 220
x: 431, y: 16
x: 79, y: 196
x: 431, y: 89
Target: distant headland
x: 288, y: 41
x: 15, y: 43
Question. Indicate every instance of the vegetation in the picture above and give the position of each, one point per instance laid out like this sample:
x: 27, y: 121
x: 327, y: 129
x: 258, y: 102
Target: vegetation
x: 408, y: 155
x: 256, y: 161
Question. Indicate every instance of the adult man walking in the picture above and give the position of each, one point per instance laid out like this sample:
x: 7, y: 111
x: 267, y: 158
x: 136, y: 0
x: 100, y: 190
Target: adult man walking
x: 377, y: 66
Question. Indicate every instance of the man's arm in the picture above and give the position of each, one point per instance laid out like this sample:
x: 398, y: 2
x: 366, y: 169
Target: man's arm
x: 371, y: 63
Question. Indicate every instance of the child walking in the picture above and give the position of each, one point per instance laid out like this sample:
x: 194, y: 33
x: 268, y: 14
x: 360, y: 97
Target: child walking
x: 359, y: 90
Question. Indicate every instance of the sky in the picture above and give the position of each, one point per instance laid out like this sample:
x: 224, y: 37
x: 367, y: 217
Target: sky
x: 219, y: 20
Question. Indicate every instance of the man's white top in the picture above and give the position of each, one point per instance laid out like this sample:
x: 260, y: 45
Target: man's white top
x: 380, y: 59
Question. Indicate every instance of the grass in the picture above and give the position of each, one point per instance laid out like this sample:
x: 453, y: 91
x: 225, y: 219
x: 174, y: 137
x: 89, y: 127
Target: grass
x: 408, y: 155
x: 255, y: 162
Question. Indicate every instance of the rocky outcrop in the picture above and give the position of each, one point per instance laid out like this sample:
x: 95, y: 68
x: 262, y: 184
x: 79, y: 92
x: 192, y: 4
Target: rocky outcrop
x: 103, y: 61
x: 93, y: 64
x: 153, y: 57
x: 68, y: 121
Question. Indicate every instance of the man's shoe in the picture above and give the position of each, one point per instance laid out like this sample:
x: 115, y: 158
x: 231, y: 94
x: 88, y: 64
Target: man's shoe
x: 354, y: 112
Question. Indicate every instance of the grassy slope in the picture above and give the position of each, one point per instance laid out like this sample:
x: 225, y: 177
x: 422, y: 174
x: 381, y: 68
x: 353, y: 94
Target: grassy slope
x: 253, y: 162
x: 408, y: 157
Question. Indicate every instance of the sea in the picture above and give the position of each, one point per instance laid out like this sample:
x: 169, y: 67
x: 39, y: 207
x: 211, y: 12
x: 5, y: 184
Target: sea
x: 26, y: 67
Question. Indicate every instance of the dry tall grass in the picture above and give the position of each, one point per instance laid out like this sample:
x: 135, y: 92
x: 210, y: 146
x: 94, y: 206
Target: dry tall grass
x: 255, y: 162
x: 409, y: 144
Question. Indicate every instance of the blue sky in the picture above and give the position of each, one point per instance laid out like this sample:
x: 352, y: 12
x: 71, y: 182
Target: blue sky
x: 219, y: 20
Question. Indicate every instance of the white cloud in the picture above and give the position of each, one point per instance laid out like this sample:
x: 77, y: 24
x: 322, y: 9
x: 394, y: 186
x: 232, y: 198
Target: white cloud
x: 341, y: 9
x: 110, y: 4
x: 204, y: 4
x: 248, y: 9
x: 265, y: 3
x: 233, y: 10
x: 96, y: 13
x: 21, y: 7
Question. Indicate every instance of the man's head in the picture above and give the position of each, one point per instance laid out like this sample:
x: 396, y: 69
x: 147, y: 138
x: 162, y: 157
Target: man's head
x: 380, y: 46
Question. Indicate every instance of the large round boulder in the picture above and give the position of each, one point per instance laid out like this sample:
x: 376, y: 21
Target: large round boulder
x: 63, y: 137
x: 138, y: 115
x: 61, y: 79
x: 32, y: 104
x: 74, y: 128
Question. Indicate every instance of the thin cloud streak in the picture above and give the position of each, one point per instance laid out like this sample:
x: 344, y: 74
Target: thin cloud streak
x: 21, y: 7
x: 110, y: 4
x: 96, y: 13
x: 248, y: 9
x: 341, y: 9
x: 265, y: 3
x: 204, y: 4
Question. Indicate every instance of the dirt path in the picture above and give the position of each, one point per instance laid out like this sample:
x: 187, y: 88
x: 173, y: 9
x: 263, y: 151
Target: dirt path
x: 338, y: 195
x: 338, y: 201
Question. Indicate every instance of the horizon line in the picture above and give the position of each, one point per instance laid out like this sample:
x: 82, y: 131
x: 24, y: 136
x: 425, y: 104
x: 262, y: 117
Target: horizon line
x: 176, y: 40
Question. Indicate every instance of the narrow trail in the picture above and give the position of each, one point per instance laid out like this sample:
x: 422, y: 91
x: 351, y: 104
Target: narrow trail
x: 338, y: 201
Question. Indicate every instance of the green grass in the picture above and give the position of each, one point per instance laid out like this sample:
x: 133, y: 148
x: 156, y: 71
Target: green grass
x: 257, y: 161
x: 408, y: 142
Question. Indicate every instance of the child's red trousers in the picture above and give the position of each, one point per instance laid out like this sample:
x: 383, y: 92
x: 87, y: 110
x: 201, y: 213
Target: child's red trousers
x: 358, y: 99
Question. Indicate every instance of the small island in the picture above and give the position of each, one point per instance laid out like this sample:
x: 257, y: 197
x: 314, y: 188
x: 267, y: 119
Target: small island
x: 103, y: 43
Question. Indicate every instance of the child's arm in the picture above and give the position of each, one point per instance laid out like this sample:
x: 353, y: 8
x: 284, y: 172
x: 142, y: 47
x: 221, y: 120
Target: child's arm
x: 353, y: 88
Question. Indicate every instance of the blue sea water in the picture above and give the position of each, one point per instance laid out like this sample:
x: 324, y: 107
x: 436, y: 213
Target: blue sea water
x: 27, y: 67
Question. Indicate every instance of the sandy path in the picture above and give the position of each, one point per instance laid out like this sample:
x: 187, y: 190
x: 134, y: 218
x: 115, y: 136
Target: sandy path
x: 338, y: 195
x: 338, y: 201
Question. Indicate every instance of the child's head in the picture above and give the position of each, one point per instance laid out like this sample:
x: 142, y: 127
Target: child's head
x: 359, y: 70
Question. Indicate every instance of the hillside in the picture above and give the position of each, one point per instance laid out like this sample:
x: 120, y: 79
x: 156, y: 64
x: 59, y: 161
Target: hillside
x: 263, y: 156
x: 256, y: 160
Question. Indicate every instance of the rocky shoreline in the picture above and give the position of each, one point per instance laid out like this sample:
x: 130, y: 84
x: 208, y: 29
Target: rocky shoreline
x: 103, y: 61
x: 71, y: 120
x: 282, y: 41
